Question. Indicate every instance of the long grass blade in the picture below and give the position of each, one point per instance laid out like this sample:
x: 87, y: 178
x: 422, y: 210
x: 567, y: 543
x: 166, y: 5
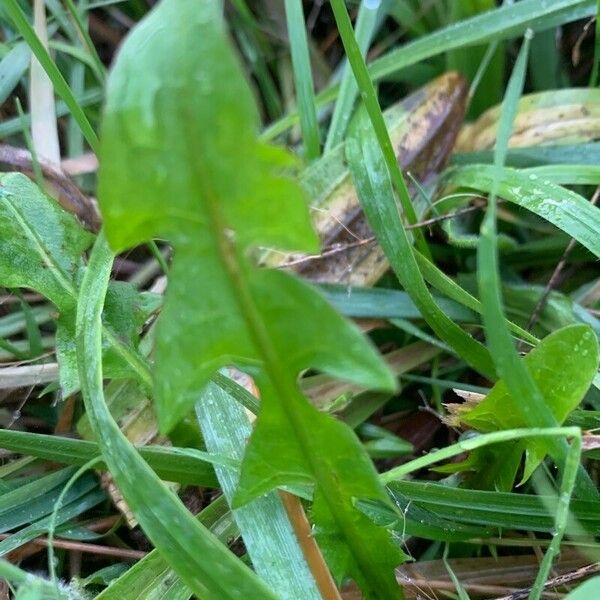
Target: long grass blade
x: 202, y: 562
x: 366, y: 23
x: 187, y: 466
x: 60, y: 85
x: 499, y: 339
x: 473, y: 443
x: 567, y: 484
x: 264, y: 524
x: 367, y: 90
x: 44, y: 130
x: 377, y: 199
x: 305, y: 93
x: 96, y: 63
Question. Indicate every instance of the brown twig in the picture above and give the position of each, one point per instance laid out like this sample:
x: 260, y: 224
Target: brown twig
x: 556, y: 581
x: 69, y: 195
x: 124, y: 553
x: 555, y: 275
x: 337, y: 248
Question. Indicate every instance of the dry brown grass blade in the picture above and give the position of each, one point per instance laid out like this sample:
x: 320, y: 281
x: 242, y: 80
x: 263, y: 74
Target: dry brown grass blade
x: 44, y: 130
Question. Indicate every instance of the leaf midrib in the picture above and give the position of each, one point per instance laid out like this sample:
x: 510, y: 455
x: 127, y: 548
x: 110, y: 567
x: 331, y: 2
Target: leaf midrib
x: 227, y: 256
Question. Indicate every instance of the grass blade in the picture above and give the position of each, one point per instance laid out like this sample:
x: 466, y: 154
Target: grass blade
x: 170, y: 463
x: 567, y: 484
x: 564, y: 208
x: 596, y: 61
x: 60, y: 85
x: 305, y: 94
x: 17, y: 124
x: 369, y: 96
x: 377, y: 198
x: 265, y: 527
x: 97, y: 66
x: 511, y: 369
x: 504, y: 510
x: 473, y: 443
x: 509, y: 366
x: 44, y: 130
x: 202, y: 562
x: 12, y: 67
x: 152, y: 579
x: 366, y: 23
x: 66, y: 513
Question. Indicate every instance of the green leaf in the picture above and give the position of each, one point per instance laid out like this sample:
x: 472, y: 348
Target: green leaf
x: 589, y: 589
x: 41, y: 247
x: 303, y: 79
x: 562, y: 366
x: 41, y: 243
x: 170, y: 130
x: 125, y: 311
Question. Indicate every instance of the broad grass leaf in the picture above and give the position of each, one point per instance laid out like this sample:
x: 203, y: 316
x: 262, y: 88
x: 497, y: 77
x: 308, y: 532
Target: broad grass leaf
x: 181, y: 160
x: 264, y: 524
x: 563, y: 366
